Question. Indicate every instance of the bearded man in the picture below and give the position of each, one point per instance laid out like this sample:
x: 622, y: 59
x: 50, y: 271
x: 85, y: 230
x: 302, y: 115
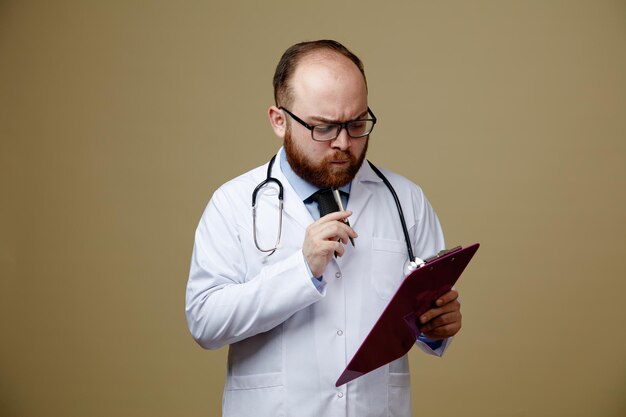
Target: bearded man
x: 294, y: 291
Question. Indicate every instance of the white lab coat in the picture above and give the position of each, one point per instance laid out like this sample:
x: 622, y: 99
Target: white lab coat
x: 289, y: 341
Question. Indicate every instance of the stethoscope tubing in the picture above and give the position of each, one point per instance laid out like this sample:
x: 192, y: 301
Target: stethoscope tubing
x: 268, y: 180
x: 274, y: 180
x: 405, y: 230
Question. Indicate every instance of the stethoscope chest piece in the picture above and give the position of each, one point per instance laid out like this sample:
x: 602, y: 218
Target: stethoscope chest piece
x: 412, y: 265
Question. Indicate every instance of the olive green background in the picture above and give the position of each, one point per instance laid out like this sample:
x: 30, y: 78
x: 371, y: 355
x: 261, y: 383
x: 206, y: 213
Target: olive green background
x: 118, y: 119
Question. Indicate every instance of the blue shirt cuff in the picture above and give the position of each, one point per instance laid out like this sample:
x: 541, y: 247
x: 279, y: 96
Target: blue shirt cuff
x: 433, y: 344
x: 318, y: 282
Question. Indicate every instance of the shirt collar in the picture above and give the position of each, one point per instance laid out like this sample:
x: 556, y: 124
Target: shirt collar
x: 303, y: 188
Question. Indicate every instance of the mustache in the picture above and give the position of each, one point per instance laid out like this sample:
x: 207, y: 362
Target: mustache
x: 340, y: 156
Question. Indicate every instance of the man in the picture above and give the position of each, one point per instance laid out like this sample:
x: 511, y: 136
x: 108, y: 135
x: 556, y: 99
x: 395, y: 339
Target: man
x: 295, y: 313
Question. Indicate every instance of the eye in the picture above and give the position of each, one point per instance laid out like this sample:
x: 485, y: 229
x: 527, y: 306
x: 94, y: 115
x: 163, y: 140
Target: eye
x: 325, y: 131
x: 359, y: 128
x: 325, y: 128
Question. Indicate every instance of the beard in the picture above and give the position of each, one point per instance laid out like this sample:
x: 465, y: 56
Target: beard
x: 325, y: 174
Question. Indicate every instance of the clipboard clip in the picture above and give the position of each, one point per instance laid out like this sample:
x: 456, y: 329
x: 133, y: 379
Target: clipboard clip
x: 418, y: 262
x: 442, y: 253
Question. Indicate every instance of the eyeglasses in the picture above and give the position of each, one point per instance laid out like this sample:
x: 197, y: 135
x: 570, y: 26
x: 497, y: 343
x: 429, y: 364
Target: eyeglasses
x: 329, y: 131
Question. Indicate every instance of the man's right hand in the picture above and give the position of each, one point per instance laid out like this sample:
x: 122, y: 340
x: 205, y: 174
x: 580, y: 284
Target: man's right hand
x: 324, y: 238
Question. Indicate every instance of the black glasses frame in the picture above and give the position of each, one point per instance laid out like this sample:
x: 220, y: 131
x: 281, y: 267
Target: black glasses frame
x: 341, y: 125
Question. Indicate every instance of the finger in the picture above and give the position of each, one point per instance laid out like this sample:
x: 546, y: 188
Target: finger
x: 438, y: 311
x: 340, y: 249
x: 325, y: 221
x: 344, y: 233
x: 333, y: 231
x: 349, y: 231
x: 442, y: 325
x: 336, y: 216
x: 330, y: 248
x: 440, y: 321
x: 443, y: 332
x: 447, y: 298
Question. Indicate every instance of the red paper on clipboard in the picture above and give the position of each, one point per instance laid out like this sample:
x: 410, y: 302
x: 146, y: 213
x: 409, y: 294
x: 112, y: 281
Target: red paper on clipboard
x: 396, y: 331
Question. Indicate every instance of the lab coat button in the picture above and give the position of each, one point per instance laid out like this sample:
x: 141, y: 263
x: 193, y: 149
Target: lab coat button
x: 338, y: 275
x: 340, y: 394
x: 339, y: 332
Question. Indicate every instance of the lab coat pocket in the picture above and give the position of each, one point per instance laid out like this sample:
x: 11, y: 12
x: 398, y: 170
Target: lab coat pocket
x: 399, y: 394
x: 254, y: 395
x: 243, y: 382
x: 387, y: 271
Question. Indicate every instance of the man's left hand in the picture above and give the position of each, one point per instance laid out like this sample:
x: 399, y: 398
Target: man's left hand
x: 444, y: 320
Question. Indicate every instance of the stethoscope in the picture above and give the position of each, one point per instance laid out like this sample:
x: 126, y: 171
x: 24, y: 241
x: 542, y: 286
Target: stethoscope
x: 413, y: 262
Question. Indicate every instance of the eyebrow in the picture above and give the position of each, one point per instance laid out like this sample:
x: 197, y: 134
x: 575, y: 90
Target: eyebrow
x: 325, y: 120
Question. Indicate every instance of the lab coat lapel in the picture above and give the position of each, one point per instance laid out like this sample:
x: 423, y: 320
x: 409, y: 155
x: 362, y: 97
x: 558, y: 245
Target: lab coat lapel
x: 359, y: 195
x: 292, y: 204
x: 360, y: 191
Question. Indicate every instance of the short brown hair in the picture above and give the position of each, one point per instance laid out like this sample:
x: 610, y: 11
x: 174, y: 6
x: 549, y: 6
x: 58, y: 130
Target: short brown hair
x: 292, y: 56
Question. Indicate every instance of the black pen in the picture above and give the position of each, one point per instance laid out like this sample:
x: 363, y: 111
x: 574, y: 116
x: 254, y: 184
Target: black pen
x: 340, y: 204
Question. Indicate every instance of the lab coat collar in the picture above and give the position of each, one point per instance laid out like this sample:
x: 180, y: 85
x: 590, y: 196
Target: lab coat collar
x: 292, y: 204
x: 359, y: 194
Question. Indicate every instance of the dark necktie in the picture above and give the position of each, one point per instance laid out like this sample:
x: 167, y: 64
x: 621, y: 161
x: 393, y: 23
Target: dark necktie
x: 325, y: 201
x: 327, y: 204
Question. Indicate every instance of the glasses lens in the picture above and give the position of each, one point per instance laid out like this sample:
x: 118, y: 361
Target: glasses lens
x: 325, y: 132
x: 360, y: 128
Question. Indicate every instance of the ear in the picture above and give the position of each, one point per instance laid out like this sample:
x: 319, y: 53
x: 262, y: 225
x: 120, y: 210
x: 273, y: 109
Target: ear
x: 278, y: 121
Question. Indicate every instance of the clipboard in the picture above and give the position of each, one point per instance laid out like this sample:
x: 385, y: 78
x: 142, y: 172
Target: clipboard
x: 396, y: 331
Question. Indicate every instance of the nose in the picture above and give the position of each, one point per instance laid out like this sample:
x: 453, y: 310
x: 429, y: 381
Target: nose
x: 343, y: 141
